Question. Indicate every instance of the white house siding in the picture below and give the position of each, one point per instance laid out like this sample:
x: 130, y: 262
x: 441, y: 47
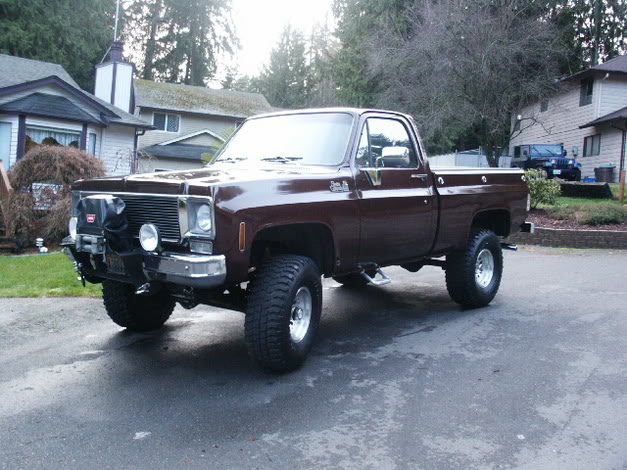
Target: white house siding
x: 560, y: 123
x: 117, y: 149
x: 613, y: 94
x: 189, y: 123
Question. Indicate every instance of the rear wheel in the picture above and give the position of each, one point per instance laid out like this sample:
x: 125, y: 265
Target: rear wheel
x: 135, y: 312
x: 473, y: 275
x: 283, y: 311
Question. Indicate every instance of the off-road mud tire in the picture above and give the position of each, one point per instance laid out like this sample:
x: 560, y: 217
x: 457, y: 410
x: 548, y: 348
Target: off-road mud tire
x: 135, y: 312
x: 461, y: 279
x: 270, y: 297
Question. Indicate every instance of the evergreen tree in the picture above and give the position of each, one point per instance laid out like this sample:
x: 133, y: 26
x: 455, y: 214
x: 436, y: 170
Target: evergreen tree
x: 73, y: 33
x: 577, y: 23
x: 356, y: 19
x: 180, y: 40
x: 284, y: 80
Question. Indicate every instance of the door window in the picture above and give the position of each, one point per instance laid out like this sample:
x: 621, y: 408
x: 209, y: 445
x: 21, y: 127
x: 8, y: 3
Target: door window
x: 385, y: 143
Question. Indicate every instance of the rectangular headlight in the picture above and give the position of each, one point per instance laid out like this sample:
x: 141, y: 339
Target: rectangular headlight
x: 201, y: 222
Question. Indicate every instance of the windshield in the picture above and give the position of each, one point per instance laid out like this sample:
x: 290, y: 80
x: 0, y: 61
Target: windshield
x: 308, y: 139
x: 546, y: 150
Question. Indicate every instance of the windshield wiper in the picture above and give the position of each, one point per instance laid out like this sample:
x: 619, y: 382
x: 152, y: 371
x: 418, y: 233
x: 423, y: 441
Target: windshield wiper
x: 281, y: 159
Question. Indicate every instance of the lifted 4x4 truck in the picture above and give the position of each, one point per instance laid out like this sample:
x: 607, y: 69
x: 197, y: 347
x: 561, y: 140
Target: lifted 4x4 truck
x: 291, y: 197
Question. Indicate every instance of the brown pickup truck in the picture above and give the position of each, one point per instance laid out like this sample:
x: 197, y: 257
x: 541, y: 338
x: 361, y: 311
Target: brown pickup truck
x: 291, y: 197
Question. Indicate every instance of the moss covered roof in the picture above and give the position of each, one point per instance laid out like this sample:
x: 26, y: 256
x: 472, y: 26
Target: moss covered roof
x: 197, y: 99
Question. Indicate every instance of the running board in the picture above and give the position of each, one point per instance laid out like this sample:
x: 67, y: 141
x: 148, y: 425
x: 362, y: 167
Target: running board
x: 385, y: 279
x: 508, y: 246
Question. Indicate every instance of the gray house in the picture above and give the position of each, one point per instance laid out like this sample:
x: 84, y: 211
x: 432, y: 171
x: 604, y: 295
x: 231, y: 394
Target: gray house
x: 588, y: 116
x: 188, y: 121
x: 41, y: 104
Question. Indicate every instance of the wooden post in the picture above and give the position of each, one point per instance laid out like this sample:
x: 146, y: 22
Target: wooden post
x: 622, y: 187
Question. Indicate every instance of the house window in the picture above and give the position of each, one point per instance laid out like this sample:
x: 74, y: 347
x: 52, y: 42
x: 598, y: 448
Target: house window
x: 92, y: 143
x: 544, y: 105
x: 592, y: 145
x: 587, y: 86
x: 36, y: 136
x: 517, y: 125
x: 166, y: 122
x: 5, y: 143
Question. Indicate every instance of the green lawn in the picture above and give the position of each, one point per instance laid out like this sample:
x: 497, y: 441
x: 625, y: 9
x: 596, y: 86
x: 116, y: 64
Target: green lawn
x: 49, y: 275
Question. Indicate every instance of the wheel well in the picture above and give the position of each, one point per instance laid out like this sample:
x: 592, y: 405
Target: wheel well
x: 497, y: 220
x: 312, y: 240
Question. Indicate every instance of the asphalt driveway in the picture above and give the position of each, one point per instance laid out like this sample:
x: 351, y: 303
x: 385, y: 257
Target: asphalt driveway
x: 400, y: 378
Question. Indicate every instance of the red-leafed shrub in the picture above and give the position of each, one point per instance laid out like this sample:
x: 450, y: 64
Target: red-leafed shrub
x: 41, y: 201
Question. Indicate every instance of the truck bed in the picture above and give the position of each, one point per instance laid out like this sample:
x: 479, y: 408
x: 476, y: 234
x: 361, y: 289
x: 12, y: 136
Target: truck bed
x: 465, y: 192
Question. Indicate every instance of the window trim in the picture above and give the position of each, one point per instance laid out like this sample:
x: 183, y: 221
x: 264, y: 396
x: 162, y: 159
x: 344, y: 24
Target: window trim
x: 93, y: 142
x: 584, y: 98
x: 585, y: 140
x: 419, y: 163
x: 167, y: 119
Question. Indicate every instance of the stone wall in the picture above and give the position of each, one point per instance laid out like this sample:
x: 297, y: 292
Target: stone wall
x: 572, y: 238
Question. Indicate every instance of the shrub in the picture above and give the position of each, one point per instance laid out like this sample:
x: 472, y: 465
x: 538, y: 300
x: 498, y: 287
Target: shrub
x: 603, y: 214
x: 542, y: 190
x: 34, y: 210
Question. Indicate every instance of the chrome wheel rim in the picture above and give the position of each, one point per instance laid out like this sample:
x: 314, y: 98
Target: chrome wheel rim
x: 300, y: 316
x: 484, y: 268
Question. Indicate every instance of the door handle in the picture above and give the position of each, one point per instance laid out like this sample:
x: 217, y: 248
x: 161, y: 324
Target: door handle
x: 420, y: 176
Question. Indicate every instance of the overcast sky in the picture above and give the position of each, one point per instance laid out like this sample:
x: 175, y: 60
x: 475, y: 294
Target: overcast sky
x: 259, y: 24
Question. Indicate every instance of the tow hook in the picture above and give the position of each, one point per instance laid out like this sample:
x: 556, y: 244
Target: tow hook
x: 509, y: 246
x: 145, y: 289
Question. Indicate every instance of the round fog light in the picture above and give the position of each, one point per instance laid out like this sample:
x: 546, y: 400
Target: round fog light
x: 149, y: 237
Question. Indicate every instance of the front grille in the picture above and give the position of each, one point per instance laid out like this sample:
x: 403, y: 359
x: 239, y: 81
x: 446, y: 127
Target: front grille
x: 161, y: 211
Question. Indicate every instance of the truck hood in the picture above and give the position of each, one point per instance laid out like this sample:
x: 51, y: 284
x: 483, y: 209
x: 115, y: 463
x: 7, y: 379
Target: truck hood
x: 202, y: 180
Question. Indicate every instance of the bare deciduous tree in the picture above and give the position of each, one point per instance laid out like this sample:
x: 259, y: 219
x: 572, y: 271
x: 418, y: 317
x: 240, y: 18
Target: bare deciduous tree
x: 464, y: 66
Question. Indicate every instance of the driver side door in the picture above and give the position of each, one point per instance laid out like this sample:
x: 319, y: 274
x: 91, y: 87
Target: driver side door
x: 396, y: 195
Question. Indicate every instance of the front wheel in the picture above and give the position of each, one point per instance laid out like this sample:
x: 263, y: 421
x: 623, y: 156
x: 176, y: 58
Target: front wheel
x: 283, y: 308
x: 135, y: 312
x: 473, y: 274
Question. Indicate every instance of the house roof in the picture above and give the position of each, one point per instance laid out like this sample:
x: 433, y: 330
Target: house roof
x: 619, y: 115
x: 616, y: 65
x: 200, y: 100
x: 179, y: 151
x: 16, y: 70
x: 54, y: 106
x: 18, y: 74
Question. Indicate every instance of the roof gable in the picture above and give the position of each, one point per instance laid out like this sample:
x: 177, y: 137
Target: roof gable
x: 200, y: 100
x: 194, y: 134
x: 41, y: 104
x: 18, y: 74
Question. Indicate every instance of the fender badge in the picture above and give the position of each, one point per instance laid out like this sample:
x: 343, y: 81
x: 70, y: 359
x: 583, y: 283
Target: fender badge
x: 339, y: 187
x: 91, y: 218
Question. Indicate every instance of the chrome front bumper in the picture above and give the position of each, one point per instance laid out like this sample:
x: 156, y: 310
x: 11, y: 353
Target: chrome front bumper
x: 201, y: 271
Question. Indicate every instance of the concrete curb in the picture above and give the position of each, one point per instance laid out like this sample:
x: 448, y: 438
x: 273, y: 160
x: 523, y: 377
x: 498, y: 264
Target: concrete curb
x: 565, y: 238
